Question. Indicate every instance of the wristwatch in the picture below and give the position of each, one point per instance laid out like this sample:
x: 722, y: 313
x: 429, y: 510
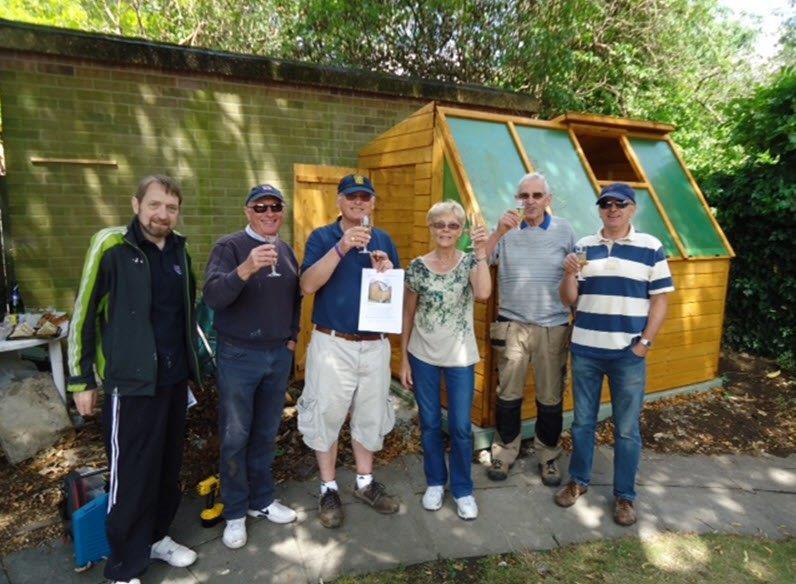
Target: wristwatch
x: 646, y: 342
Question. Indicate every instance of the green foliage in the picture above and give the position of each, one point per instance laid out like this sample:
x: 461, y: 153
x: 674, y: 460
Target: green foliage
x: 756, y: 203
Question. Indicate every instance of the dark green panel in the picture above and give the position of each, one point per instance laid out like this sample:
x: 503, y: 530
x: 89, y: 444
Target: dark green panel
x: 491, y: 162
x: 450, y: 192
x: 648, y: 220
x: 686, y: 212
x: 552, y: 153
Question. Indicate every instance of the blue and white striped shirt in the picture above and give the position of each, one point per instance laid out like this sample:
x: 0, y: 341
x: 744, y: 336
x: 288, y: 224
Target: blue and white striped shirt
x: 614, y: 292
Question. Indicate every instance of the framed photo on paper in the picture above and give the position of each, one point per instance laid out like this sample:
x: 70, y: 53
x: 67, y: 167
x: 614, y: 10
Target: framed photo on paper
x: 381, y: 301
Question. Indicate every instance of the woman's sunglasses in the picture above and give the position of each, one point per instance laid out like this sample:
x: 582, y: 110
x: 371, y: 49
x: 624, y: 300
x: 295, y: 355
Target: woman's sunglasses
x: 442, y: 225
x: 263, y: 207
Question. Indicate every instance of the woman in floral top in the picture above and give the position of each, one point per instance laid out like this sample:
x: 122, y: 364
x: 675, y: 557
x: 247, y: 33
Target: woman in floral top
x: 438, y: 339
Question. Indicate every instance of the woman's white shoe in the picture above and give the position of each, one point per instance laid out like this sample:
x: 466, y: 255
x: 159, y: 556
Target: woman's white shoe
x: 466, y: 507
x: 432, y: 499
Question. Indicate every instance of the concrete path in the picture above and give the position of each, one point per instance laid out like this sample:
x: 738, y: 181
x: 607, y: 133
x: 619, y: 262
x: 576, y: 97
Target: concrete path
x: 701, y: 494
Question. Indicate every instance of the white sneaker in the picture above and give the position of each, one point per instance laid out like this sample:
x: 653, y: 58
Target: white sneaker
x: 466, y: 507
x: 432, y: 500
x: 235, y: 533
x: 275, y: 512
x: 174, y: 554
x: 133, y: 581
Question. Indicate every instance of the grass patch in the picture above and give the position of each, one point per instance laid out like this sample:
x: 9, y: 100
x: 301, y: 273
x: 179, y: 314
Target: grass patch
x: 670, y: 558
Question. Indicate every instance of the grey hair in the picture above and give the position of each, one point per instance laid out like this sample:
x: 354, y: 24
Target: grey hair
x: 445, y: 208
x: 535, y: 175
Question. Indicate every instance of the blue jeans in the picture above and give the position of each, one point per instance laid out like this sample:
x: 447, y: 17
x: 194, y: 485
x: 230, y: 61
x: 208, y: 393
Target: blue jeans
x: 251, y: 388
x: 627, y: 377
x: 459, y: 382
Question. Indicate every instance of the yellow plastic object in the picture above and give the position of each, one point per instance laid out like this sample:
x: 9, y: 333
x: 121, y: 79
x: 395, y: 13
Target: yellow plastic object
x: 210, y: 488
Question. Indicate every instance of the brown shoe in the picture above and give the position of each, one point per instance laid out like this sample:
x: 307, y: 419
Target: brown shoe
x: 376, y: 496
x: 550, y: 473
x: 499, y: 470
x: 624, y: 512
x: 567, y: 496
x: 330, y: 509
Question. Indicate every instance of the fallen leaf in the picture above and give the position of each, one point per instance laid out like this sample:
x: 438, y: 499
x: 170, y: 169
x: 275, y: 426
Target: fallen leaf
x: 774, y: 374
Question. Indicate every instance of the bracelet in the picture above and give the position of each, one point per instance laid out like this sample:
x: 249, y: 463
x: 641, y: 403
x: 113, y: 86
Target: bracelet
x: 477, y: 259
x: 339, y: 251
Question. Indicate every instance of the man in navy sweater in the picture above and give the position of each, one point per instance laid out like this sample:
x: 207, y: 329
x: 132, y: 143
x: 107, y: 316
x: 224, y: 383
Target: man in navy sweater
x: 252, y: 283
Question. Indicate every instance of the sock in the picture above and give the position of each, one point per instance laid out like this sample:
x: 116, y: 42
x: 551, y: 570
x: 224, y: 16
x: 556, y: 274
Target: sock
x: 329, y: 485
x: 364, y: 480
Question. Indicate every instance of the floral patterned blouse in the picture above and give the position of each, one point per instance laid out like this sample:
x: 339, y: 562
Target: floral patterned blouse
x: 443, y: 333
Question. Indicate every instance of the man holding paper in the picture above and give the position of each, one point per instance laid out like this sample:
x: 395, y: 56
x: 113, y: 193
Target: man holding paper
x: 347, y: 369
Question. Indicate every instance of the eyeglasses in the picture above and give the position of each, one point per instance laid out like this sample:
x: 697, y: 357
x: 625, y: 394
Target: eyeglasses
x: 263, y: 207
x: 442, y: 225
x: 609, y: 204
x: 537, y: 196
x: 364, y: 197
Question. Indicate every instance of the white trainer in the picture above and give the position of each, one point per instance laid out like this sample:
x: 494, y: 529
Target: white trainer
x: 133, y: 581
x: 432, y: 499
x: 466, y: 507
x: 169, y: 551
x: 275, y: 512
x: 235, y: 533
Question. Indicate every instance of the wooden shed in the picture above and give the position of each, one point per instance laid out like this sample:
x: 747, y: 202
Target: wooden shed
x: 477, y: 158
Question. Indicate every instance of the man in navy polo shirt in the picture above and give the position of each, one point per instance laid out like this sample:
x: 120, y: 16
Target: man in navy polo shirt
x: 347, y: 369
x: 621, y: 302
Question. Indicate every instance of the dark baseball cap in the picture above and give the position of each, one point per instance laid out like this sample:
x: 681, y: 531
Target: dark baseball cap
x: 264, y: 190
x: 355, y: 183
x: 619, y: 191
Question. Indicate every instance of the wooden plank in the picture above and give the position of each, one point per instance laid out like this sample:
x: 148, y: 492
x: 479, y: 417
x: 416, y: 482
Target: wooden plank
x: 408, y: 125
x: 424, y: 170
x: 408, y: 141
x: 526, y: 162
x: 423, y: 186
x: 697, y: 295
x: 686, y: 281
x: 469, y: 201
x: 636, y: 164
x: 691, y: 323
x: 495, y: 117
x: 694, y: 308
x: 401, y: 158
x: 701, y: 196
x: 709, y: 266
x: 686, y: 337
x: 422, y: 203
x: 610, y: 121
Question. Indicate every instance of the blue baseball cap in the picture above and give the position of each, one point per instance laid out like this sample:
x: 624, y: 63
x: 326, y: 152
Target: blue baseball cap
x: 264, y: 190
x: 619, y: 191
x: 355, y: 183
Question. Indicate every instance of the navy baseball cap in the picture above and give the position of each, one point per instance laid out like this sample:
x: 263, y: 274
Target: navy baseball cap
x: 355, y: 183
x: 264, y: 190
x: 618, y: 191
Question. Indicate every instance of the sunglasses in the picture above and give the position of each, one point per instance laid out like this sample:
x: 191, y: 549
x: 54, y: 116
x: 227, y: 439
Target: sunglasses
x: 364, y: 197
x: 537, y: 196
x: 263, y: 207
x: 613, y: 204
x: 442, y: 225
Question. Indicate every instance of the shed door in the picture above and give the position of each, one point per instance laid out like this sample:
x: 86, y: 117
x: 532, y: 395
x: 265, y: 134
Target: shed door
x: 314, y: 205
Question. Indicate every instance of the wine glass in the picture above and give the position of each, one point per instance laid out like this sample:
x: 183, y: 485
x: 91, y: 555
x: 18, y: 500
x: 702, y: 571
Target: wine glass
x: 367, y: 222
x: 519, y: 208
x: 580, y: 253
x: 273, y: 240
x: 476, y: 220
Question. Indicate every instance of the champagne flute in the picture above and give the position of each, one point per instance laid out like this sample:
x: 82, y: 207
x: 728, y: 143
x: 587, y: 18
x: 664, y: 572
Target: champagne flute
x: 519, y: 208
x: 367, y: 222
x: 580, y: 254
x: 476, y: 220
x: 273, y: 240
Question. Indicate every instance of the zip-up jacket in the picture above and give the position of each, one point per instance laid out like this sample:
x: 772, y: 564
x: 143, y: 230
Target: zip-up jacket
x: 111, y: 329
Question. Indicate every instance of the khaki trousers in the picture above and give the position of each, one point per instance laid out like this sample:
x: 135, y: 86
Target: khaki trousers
x: 516, y: 345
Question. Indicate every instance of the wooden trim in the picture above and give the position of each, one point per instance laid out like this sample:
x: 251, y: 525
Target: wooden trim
x: 635, y: 185
x: 610, y: 121
x: 701, y: 196
x: 701, y: 258
x: 77, y: 161
x: 493, y: 117
x: 457, y: 166
x: 634, y: 161
x: 520, y: 148
x: 586, y: 166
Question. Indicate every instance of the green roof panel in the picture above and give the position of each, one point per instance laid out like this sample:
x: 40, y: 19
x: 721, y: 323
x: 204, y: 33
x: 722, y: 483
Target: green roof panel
x: 552, y: 153
x: 683, y: 206
x: 648, y: 220
x: 491, y: 162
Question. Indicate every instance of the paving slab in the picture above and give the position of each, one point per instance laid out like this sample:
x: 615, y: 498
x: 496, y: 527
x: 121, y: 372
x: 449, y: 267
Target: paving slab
x: 525, y: 530
x: 366, y: 542
x: 162, y: 573
x: 703, y: 510
x: 780, y: 508
x: 49, y: 562
x: 3, y: 577
x: 764, y: 472
x: 271, y: 555
x: 187, y: 527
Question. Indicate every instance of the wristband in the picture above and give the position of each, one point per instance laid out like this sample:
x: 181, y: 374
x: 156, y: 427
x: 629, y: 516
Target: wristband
x: 483, y: 259
x: 339, y: 251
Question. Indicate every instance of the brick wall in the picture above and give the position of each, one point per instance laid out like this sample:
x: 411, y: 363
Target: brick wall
x: 217, y: 136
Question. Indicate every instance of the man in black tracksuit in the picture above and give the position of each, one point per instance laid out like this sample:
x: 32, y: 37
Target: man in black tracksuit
x: 134, y: 324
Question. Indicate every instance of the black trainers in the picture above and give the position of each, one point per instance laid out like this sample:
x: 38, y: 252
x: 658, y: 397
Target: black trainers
x: 499, y: 471
x: 550, y: 473
x: 376, y: 496
x: 330, y: 509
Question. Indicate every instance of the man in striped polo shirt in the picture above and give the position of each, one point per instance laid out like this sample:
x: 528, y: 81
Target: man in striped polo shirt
x: 532, y: 326
x: 620, y: 294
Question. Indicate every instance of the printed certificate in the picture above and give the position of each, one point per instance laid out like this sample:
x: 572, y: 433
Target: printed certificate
x: 381, y: 301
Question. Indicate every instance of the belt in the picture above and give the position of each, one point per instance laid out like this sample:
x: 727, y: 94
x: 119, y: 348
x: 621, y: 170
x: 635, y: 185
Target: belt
x: 349, y: 336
